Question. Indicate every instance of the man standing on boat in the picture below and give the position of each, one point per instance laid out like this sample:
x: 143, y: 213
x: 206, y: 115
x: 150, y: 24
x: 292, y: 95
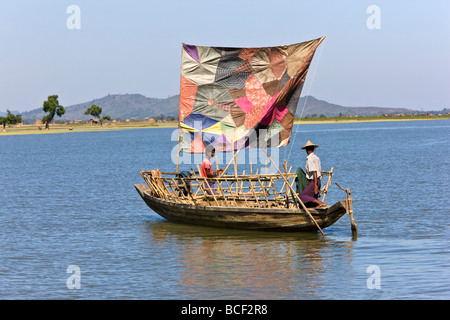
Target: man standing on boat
x: 207, y: 172
x: 313, y: 174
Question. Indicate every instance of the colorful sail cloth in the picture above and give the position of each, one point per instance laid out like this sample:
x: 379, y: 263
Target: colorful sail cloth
x: 234, y: 98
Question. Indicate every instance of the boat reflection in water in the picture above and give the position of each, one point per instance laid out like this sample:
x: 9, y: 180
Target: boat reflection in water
x: 249, y: 264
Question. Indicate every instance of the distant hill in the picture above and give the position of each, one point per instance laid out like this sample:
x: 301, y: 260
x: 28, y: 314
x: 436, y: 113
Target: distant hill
x: 128, y: 106
x: 118, y: 106
x: 319, y: 107
x: 3, y: 113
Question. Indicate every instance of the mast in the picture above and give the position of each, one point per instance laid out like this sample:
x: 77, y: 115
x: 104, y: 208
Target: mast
x: 178, y: 148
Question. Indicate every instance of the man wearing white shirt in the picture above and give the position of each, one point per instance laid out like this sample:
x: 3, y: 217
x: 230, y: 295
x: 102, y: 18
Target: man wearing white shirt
x: 313, y: 174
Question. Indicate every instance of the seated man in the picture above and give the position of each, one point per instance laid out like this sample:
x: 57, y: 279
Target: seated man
x: 207, y: 172
x: 310, y: 194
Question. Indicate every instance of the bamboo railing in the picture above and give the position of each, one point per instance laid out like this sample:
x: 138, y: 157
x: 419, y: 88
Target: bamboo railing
x: 243, y: 190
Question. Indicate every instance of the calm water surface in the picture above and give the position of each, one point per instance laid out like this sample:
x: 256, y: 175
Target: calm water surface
x: 68, y: 199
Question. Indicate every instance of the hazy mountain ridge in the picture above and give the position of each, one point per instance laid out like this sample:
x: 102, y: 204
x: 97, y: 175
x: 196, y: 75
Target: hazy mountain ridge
x: 118, y: 106
x: 320, y: 107
x: 128, y: 106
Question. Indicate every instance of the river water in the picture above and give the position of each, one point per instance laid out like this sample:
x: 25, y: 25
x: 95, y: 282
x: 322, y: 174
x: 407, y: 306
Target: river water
x: 72, y: 225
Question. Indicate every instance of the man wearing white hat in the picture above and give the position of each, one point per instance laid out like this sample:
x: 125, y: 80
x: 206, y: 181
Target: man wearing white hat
x: 313, y: 174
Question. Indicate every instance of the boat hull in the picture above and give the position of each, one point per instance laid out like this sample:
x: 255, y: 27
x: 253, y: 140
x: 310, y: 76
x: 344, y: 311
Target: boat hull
x: 274, y: 219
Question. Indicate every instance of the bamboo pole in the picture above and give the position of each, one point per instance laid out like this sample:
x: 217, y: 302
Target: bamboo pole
x: 195, y: 178
x: 263, y: 190
x: 294, y: 193
x: 200, y: 186
x: 230, y: 190
x: 287, y: 187
x: 226, y: 168
x: 325, y: 190
x: 242, y: 191
x: 235, y: 166
x: 178, y: 147
x: 163, y: 194
x: 177, y: 192
x: 253, y: 191
x: 292, y: 186
x: 219, y: 185
x: 210, y: 190
x: 217, y: 164
x: 188, y: 191
x: 154, y: 185
x: 171, y: 193
x: 349, y: 205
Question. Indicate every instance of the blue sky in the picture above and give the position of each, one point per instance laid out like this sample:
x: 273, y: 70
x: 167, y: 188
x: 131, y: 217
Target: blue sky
x: 135, y: 47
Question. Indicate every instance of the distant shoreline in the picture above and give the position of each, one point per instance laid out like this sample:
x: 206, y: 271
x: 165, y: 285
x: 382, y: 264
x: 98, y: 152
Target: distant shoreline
x: 368, y: 119
x: 71, y: 128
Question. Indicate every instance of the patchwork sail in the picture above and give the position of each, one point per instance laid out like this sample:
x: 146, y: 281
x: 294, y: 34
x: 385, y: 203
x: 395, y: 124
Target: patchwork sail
x: 234, y: 98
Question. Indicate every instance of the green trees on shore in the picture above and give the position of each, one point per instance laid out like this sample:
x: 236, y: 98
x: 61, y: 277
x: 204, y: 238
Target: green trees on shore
x: 96, y: 111
x: 10, y: 119
x: 52, y: 107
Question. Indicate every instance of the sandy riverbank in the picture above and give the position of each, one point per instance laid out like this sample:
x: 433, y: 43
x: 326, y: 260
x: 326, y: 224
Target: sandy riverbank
x: 71, y: 128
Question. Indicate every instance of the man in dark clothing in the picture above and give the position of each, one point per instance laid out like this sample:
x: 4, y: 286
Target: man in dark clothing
x: 313, y: 173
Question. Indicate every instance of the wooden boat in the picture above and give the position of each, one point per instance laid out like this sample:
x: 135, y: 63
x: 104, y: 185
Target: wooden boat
x: 247, y: 218
x: 250, y: 202
x: 234, y: 99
